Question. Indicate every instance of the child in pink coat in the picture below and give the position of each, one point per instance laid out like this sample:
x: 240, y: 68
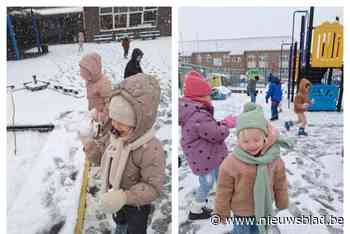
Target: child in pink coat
x: 98, y: 89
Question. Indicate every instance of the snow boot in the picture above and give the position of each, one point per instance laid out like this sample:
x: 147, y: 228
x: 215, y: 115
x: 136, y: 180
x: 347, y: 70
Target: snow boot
x: 288, y: 124
x: 302, y: 132
x: 199, y: 211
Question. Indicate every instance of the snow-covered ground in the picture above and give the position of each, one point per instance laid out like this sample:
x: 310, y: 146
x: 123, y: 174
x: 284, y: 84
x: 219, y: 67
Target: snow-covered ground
x: 314, y: 170
x: 44, y: 176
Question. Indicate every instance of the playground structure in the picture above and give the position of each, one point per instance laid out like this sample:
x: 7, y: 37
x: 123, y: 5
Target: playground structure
x: 217, y: 79
x: 318, y: 59
x: 23, y: 34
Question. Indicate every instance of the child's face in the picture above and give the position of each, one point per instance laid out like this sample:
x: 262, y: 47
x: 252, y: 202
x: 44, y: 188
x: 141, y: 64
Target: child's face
x: 123, y: 129
x: 84, y: 74
x: 207, y: 98
x: 251, y: 140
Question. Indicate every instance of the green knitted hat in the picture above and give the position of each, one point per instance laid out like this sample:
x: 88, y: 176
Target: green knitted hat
x: 252, y: 117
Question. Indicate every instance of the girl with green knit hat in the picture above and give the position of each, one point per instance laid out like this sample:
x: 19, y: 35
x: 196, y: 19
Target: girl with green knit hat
x: 253, y: 177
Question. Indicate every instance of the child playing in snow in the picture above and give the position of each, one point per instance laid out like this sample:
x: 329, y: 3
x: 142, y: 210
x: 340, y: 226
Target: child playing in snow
x: 81, y: 40
x: 253, y: 176
x: 98, y: 87
x: 133, y: 163
x: 275, y: 92
x: 301, y: 104
x: 202, y: 139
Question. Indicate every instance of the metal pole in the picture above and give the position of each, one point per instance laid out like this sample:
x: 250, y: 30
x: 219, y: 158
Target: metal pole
x: 294, y: 14
x: 301, y: 48
x: 294, y: 64
x: 309, y: 38
x: 290, y: 73
x: 12, y: 36
x: 340, y: 99
x: 36, y: 31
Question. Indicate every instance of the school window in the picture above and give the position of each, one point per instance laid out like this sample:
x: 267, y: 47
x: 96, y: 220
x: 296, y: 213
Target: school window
x: 263, y: 61
x: 114, y: 18
x: 106, y: 22
x: 217, y: 62
x: 199, y: 59
x: 135, y: 19
x: 120, y: 21
x: 251, y: 61
x: 226, y: 58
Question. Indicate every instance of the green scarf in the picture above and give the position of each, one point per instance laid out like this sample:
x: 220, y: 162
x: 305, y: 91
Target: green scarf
x: 262, y: 195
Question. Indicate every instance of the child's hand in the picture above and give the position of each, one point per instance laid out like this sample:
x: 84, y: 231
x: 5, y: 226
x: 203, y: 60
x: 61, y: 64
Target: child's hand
x: 113, y: 201
x: 230, y: 121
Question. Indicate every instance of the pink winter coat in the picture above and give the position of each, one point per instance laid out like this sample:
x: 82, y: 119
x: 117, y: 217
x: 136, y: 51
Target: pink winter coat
x: 98, y: 87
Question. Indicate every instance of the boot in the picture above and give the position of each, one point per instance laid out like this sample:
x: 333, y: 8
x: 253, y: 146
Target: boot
x: 274, y: 118
x: 288, y: 124
x: 302, y: 132
x: 199, y: 211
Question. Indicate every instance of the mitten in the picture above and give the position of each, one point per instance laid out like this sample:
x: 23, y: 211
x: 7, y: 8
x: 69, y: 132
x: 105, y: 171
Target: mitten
x: 113, y: 201
x: 230, y: 121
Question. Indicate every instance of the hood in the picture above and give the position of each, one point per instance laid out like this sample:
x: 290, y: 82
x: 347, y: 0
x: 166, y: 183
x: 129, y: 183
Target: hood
x: 143, y: 93
x: 274, y: 79
x: 136, y: 52
x: 302, y: 87
x: 92, y: 63
x: 188, y: 107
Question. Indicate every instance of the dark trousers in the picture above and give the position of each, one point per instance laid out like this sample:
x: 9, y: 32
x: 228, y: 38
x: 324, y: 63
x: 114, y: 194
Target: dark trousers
x: 134, y: 217
x: 126, y: 52
x: 274, y: 109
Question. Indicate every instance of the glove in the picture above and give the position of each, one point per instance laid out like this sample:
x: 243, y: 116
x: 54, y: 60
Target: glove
x: 230, y: 121
x: 113, y: 201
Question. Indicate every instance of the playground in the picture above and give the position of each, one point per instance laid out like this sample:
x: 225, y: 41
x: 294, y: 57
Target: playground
x: 314, y: 167
x: 60, y: 181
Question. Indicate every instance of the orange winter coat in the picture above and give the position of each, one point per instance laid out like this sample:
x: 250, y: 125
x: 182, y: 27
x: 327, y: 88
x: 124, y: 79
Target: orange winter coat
x: 302, y: 97
x: 235, y: 189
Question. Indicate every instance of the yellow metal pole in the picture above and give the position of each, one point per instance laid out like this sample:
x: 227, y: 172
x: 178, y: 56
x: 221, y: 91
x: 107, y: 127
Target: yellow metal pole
x: 82, y: 201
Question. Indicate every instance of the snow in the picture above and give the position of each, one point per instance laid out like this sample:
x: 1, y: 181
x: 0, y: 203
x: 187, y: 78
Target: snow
x: 314, y: 170
x: 44, y: 176
x: 235, y: 46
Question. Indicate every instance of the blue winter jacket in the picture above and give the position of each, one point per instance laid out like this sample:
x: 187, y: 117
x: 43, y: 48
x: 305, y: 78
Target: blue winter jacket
x: 275, y: 90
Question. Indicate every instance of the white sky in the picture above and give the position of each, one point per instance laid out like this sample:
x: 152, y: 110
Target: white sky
x: 201, y: 23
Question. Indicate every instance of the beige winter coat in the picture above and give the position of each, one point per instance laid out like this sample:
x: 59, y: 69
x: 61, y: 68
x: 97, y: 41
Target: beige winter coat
x: 144, y: 174
x: 235, y: 189
x: 98, y: 87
